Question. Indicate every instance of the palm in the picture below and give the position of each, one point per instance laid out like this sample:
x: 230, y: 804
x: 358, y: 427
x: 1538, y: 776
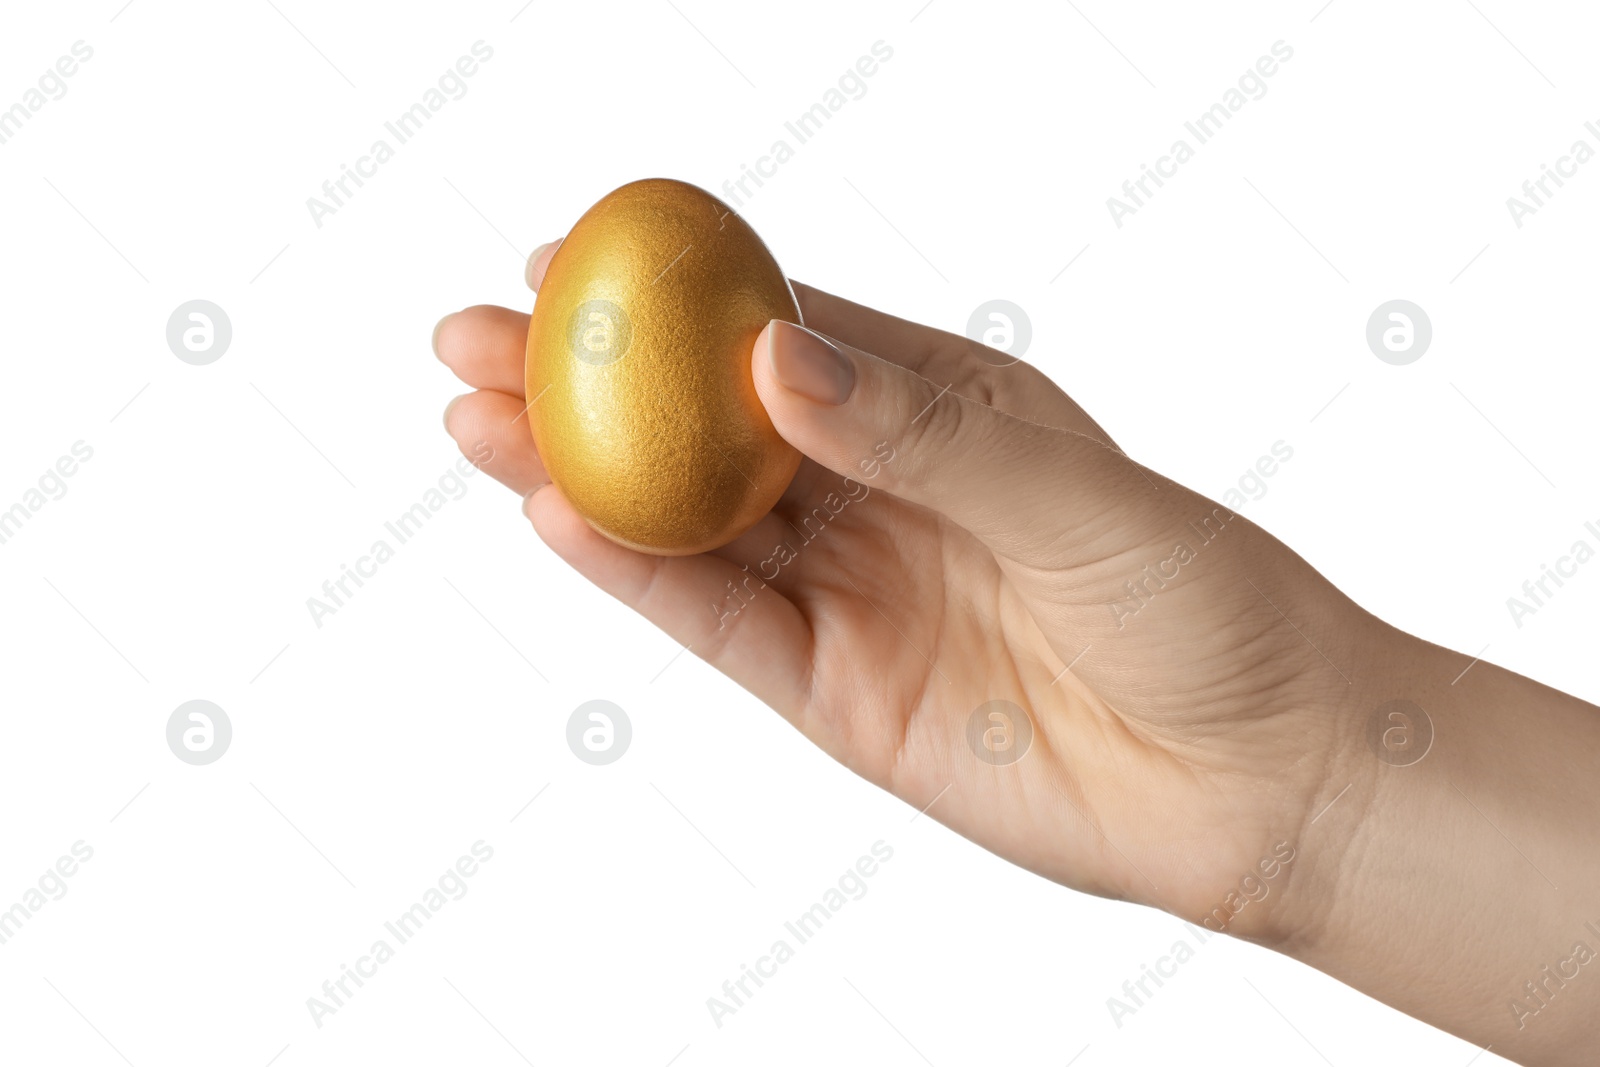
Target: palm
x: 916, y: 626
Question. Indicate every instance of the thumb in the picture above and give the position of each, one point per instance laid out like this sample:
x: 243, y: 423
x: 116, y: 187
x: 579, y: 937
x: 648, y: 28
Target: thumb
x: 1039, y: 495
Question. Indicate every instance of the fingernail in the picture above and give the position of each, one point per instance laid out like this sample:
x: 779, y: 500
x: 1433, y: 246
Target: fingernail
x: 434, y: 342
x: 447, y: 408
x: 809, y: 364
x: 527, y: 270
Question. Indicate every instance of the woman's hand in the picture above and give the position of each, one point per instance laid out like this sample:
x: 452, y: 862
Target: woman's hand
x: 972, y: 598
x: 963, y: 542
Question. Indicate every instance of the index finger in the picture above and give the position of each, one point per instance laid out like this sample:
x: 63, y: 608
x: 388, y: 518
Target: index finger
x: 539, y: 262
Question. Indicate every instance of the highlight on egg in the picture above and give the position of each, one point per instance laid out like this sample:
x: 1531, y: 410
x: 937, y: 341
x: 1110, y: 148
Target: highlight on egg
x: 641, y: 398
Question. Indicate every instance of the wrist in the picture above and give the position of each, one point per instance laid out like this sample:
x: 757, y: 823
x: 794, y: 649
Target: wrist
x: 1372, y: 730
x: 1347, y: 744
x: 1455, y: 831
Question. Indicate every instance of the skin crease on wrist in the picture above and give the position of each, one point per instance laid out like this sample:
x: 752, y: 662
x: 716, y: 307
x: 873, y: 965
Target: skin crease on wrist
x: 1200, y: 697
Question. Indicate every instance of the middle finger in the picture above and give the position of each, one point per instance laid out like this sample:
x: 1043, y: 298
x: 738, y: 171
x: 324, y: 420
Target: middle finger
x: 485, y: 347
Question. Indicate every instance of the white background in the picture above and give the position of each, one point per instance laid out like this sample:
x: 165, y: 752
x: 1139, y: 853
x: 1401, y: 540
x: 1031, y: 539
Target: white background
x: 370, y: 753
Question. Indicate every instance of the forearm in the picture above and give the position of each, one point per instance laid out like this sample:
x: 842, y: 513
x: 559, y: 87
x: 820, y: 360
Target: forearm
x: 1462, y: 887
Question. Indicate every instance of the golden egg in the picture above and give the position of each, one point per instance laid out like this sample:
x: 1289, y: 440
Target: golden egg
x: 643, y: 407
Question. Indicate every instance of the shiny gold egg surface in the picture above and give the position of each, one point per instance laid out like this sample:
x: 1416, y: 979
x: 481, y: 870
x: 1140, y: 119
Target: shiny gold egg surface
x: 642, y: 403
